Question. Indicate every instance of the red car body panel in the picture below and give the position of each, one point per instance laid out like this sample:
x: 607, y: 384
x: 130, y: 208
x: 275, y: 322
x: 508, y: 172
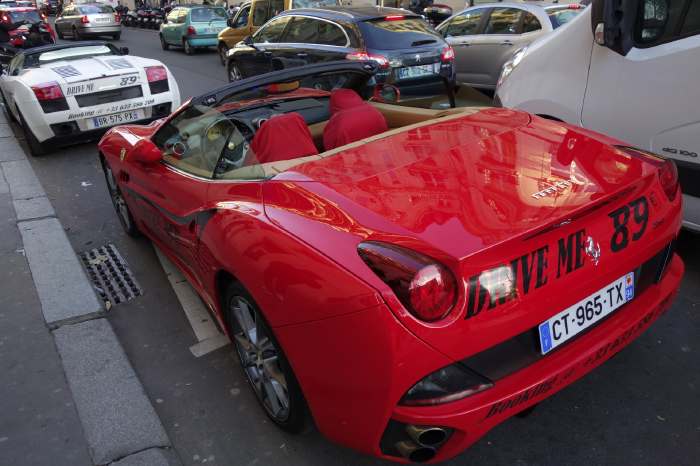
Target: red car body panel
x: 475, y: 193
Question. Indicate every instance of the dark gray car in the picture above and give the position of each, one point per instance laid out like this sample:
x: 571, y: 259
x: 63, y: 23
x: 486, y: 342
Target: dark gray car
x: 486, y: 36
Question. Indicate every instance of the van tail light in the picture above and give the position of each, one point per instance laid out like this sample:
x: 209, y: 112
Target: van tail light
x: 48, y: 91
x: 426, y: 288
x: 668, y: 172
x: 85, y: 20
x: 191, y: 31
x: 448, y: 54
x: 381, y: 60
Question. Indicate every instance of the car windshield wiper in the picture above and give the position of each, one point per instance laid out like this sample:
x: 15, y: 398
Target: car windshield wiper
x: 423, y: 42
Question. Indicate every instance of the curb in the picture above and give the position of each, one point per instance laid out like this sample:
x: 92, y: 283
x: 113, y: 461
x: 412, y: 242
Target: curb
x: 121, y: 426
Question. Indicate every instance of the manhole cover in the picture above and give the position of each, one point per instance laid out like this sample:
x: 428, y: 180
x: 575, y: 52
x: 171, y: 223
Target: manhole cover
x: 110, y: 275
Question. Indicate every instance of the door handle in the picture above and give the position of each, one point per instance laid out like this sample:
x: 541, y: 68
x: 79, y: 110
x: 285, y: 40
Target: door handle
x: 506, y: 42
x: 302, y: 54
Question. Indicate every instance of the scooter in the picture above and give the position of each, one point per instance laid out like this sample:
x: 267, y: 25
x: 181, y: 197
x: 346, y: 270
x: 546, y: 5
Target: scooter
x: 130, y: 19
x: 157, y: 18
x: 25, y: 37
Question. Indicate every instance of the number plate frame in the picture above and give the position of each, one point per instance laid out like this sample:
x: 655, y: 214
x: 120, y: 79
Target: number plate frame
x: 566, y: 324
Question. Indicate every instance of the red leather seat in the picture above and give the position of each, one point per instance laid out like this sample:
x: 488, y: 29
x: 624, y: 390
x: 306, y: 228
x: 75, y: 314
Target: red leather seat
x: 282, y: 137
x: 353, y: 124
x: 342, y: 99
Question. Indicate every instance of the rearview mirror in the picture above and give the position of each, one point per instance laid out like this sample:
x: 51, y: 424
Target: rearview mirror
x: 613, y: 22
x: 145, y: 152
x: 387, y: 93
x: 124, y: 50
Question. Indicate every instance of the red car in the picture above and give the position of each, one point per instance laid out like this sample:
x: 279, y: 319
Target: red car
x: 29, y: 14
x: 410, y: 277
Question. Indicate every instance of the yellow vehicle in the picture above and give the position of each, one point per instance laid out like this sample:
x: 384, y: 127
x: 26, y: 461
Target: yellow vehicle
x: 254, y: 14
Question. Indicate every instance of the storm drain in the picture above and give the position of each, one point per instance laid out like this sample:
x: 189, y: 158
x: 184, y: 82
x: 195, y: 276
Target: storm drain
x: 110, y: 275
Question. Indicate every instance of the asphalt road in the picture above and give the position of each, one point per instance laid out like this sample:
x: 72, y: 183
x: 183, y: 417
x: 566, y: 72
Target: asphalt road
x: 640, y: 408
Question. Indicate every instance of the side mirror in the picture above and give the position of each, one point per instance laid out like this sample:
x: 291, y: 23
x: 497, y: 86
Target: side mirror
x: 124, y: 50
x: 386, y: 93
x: 145, y: 152
x: 613, y: 22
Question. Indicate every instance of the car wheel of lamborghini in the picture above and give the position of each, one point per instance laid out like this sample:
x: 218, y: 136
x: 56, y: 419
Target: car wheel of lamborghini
x: 36, y: 148
x: 234, y: 73
x: 118, y: 201
x: 263, y: 362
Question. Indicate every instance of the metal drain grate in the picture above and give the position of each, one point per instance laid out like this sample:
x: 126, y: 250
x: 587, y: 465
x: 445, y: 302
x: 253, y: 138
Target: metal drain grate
x: 110, y: 275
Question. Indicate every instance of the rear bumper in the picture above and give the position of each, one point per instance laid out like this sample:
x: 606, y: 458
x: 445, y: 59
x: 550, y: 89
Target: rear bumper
x: 474, y: 416
x: 354, y: 380
x: 99, y: 30
x: 209, y: 41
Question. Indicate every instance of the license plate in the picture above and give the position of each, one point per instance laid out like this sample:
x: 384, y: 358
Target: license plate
x: 103, y: 20
x: 575, y: 319
x: 418, y: 71
x: 115, y: 119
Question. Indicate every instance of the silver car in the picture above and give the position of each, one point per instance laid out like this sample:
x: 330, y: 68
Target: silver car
x: 88, y: 20
x: 485, y: 36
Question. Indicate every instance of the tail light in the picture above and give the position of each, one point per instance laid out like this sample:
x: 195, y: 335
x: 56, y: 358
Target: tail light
x: 668, y: 172
x: 668, y: 176
x: 381, y: 60
x: 157, y: 77
x: 85, y: 20
x: 4, y: 19
x: 394, y: 18
x: 448, y: 54
x: 117, y: 18
x: 426, y: 288
x: 50, y: 97
x: 48, y: 91
x: 191, y: 31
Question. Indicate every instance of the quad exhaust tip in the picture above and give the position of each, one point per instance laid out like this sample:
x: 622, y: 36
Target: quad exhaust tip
x: 414, y: 452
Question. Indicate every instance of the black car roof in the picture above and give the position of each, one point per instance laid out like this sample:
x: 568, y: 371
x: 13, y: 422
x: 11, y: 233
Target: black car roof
x: 349, y: 14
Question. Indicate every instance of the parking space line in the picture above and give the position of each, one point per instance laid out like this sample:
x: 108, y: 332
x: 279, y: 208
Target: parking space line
x: 209, y: 338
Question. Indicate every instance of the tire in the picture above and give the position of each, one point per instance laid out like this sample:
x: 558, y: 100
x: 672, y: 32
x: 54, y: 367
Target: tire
x: 164, y: 45
x: 76, y: 34
x: 223, y: 49
x: 59, y: 34
x: 189, y: 50
x: 269, y: 375
x: 117, y: 36
x: 36, y: 149
x: 234, y: 73
x: 121, y: 208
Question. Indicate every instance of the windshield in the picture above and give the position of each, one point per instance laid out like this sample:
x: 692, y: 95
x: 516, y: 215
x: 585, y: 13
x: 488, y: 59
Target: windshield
x: 314, y: 3
x: 30, y: 16
x: 560, y: 16
x: 73, y: 53
x: 95, y: 9
x: 199, y: 15
x: 397, y: 33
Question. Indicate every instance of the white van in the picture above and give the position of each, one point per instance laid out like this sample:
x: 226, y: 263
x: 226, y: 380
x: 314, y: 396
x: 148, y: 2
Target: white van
x: 626, y: 68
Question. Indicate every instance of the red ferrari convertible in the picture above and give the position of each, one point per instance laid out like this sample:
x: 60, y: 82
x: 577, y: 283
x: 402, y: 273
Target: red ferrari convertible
x: 406, y: 276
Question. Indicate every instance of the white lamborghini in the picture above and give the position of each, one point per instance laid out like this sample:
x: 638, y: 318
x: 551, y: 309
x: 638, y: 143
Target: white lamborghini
x: 62, y: 94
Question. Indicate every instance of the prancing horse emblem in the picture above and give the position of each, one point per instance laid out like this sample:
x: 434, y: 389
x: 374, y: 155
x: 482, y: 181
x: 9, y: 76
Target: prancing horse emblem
x: 122, y: 153
x: 592, y: 250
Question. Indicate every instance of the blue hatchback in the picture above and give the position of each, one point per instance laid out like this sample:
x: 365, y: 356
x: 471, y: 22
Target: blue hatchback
x: 192, y: 27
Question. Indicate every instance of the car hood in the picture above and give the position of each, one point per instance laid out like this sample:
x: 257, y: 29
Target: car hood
x: 460, y: 185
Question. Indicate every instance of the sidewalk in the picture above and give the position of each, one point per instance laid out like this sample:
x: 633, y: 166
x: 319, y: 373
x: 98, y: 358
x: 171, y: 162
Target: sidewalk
x: 69, y: 395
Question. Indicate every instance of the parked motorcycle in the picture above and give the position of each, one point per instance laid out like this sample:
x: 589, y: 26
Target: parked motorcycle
x: 143, y: 17
x: 157, y: 18
x: 130, y: 19
x: 25, y: 37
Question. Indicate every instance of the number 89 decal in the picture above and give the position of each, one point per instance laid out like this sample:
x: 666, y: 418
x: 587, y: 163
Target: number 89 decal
x: 128, y: 80
x: 638, y: 212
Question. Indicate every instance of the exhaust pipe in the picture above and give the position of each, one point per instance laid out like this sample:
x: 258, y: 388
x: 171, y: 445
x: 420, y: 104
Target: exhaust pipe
x: 415, y: 453
x: 426, y: 436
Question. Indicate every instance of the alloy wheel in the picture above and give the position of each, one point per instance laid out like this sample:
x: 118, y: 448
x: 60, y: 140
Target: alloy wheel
x: 260, y: 359
x: 117, y: 199
x: 234, y: 74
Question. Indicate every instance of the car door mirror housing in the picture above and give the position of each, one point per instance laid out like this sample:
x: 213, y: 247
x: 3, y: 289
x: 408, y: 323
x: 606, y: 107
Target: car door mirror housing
x: 613, y: 23
x: 145, y: 152
x: 124, y: 50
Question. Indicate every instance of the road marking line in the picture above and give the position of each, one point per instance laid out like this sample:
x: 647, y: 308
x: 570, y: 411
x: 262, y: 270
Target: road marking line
x: 205, y: 330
